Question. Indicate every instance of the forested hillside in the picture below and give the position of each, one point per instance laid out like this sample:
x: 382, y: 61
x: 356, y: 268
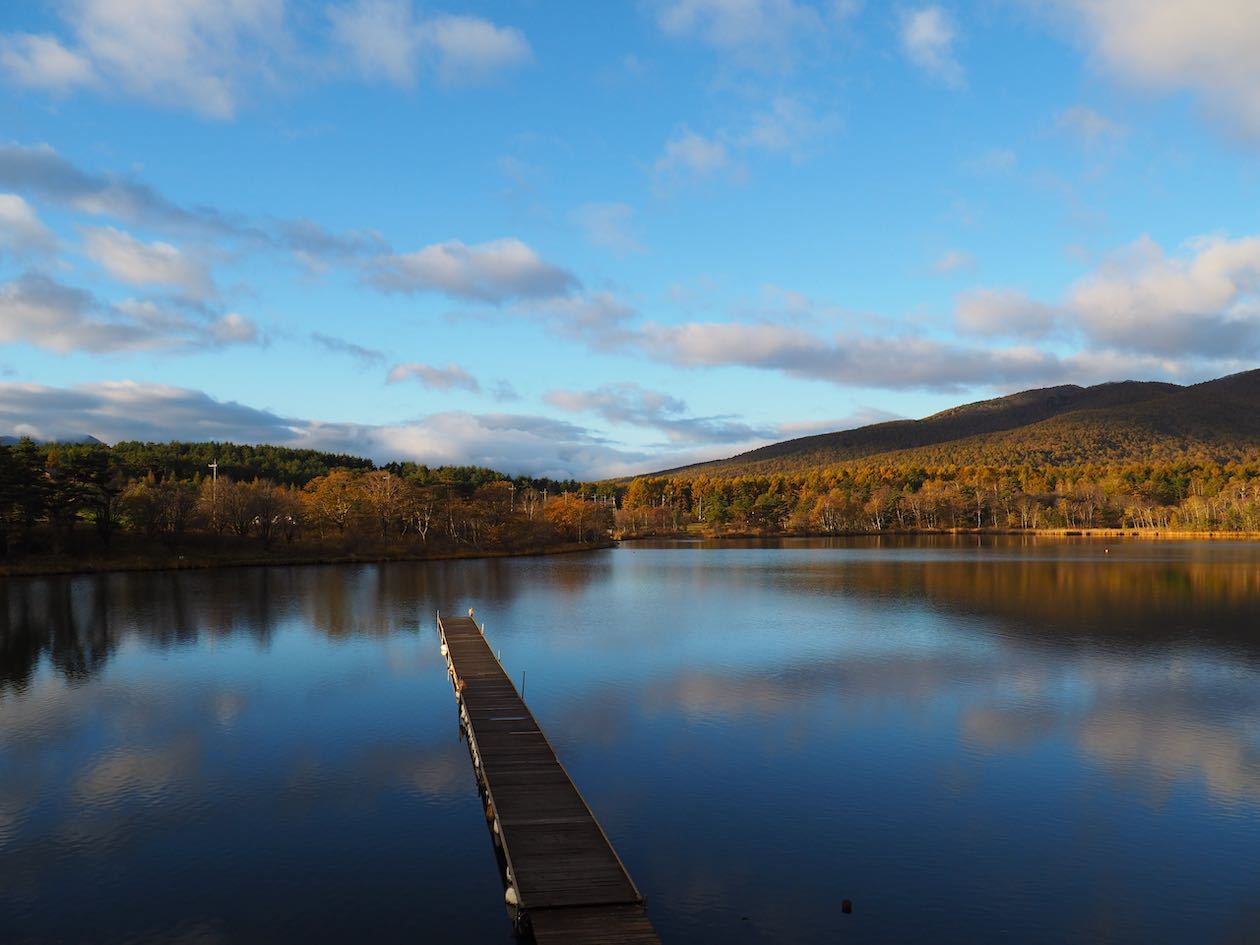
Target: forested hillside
x: 1126, y: 422
x: 1125, y: 455
x: 162, y: 501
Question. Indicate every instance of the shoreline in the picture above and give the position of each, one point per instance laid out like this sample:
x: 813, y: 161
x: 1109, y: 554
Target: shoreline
x: 142, y: 563
x: 153, y: 563
x: 1151, y: 534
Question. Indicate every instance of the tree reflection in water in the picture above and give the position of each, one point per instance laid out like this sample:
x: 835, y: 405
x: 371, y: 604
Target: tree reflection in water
x: 905, y: 721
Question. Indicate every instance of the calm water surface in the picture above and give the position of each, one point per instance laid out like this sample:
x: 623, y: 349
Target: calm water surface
x: 975, y: 741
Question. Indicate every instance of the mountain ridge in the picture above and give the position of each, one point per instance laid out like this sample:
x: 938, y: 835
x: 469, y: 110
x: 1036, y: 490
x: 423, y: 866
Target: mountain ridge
x: 1114, y: 422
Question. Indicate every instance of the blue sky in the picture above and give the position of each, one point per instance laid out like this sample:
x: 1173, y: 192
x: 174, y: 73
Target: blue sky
x: 596, y: 238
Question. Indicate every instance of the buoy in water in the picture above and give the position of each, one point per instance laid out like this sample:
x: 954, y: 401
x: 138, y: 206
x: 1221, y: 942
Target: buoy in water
x: 847, y: 906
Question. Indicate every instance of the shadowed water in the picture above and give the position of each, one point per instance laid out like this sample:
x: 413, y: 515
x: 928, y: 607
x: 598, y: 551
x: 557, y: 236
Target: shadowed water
x: 974, y: 740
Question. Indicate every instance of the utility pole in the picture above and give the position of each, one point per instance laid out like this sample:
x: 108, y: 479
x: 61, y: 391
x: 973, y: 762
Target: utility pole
x: 214, y: 495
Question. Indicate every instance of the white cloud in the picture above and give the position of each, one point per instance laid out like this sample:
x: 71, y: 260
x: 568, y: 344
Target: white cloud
x: 1088, y: 126
x: 610, y: 225
x: 41, y: 62
x: 366, y: 357
x: 145, y: 264
x: 381, y: 37
x: 1211, y: 49
x: 927, y: 37
x: 469, y: 49
x: 619, y: 403
x: 316, y: 248
x: 22, y: 233
x: 1205, y: 302
x: 232, y: 328
x: 688, y: 154
x: 489, y: 272
x: 759, y: 32
x: 513, y: 443
x: 125, y: 410
x: 1004, y: 313
x: 198, y: 54
x: 387, y: 40
x: 38, y: 310
x: 892, y: 361
x: 887, y: 362
x: 43, y: 312
x: 629, y: 403
x: 788, y: 126
x: 42, y: 171
x: 994, y: 162
x: 954, y: 260
x: 598, y: 319
x: 211, y: 55
x: 1142, y: 314
x: 448, y: 378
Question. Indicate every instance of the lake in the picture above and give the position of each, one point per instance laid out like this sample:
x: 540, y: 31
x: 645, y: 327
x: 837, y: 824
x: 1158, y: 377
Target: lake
x: 973, y: 739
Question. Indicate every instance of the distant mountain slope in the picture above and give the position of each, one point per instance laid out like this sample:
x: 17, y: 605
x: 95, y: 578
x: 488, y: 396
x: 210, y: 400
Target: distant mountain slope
x: 1128, y: 421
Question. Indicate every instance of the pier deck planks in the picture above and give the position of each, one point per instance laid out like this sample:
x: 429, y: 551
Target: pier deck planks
x: 569, y: 880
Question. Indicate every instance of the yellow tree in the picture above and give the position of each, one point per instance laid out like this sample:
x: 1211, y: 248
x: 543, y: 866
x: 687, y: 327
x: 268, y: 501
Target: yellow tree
x: 332, y: 500
x: 567, y: 513
x: 382, y: 493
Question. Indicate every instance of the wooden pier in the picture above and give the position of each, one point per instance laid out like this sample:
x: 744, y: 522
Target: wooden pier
x: 564, y: 882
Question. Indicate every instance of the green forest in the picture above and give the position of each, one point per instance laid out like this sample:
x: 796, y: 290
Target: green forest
x: 67, y: 506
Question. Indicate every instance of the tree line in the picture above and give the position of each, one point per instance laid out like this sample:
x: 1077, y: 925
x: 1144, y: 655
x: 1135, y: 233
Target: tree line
x: 79, y: 499
x: 73, y: 500
x: 1188, y: 496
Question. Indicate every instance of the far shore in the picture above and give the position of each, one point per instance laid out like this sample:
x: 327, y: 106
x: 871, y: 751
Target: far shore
x: 174, y: 561
x: 1142, y: 533
x: 98, y: 563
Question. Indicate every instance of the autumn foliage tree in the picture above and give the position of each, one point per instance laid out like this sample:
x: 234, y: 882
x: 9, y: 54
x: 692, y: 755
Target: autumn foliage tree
x: 162, y: 494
